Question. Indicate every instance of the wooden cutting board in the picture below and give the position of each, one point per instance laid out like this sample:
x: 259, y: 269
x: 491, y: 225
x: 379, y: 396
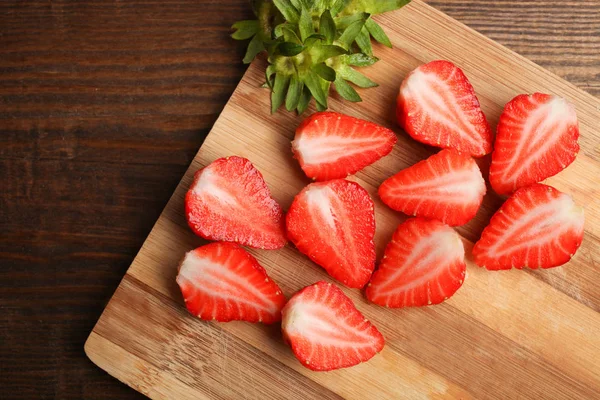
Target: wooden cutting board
x: 504, y: 335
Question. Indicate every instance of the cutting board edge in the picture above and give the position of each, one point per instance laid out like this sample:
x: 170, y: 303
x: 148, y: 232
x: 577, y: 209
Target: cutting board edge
x: 95, y: 338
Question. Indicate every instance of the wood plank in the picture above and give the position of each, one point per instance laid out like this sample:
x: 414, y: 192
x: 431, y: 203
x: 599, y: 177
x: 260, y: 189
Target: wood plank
x: 503, y: 335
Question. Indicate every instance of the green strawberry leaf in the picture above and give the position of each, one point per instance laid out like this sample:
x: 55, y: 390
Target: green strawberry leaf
x: 312, y: 81
x: 380, y: 6
x: 297, y: 4
x: 363, y: 40
x: 343, y: 23
x: 324, y: 72
x: 278, y: 94
x: 287, y: 9
x: 268, y: 73
x: 325, y: 52
x: 304, y: 100
x: 255, y: 46
x: 290, y: 49
x: 294, y: 93
x: 245, y: 29
x: 287, y: 31
x: 346, y: 91
x: 338, y: 6
x: 355, y: 77
x: 327, y: 27
x: 351, y: 32
x: 361, y: 60
x: 378, y: 33
x: 312, y: 39
x: 305, y: 25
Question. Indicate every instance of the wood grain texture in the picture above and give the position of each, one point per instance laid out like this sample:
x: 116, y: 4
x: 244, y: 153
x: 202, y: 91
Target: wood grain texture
x: 104, y: 105
x: 515, y: 334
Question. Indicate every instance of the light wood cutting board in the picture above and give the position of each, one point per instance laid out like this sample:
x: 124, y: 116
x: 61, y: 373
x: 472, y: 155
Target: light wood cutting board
x: 504, y: 335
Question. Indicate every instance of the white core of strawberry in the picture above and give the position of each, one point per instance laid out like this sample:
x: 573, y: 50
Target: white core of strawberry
x: 541, y: 131
x: 319, y: 324
x: 329, y: 148
x: 458, y: 186
x: 320, y: 198
x: 208, y: 185
x: 436, y: 98
x: 217, y: 281
x: 434, y: 252
x: 540, y: 225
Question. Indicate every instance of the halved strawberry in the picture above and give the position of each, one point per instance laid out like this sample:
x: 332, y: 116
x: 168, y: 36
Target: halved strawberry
x: 423, y: 264
x: 333, y: 223
x: 326, y: 331
x: 223, y: 282
x: 437, y: 106
x: 538, y: 227
x: 537, y: 138
x: 447, y: 186
x: 230, y: 201
x: 330, y: 145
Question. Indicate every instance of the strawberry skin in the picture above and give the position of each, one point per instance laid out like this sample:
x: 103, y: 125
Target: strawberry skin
x: 330, y: 145
x: 326, y: 331
x: 230, y: 201
x: 223, y: 282
x: 537, y: 227
x: 333, y: 223
x: 537, y: 138
x: 437, y: 106
x: 423, y: 264
x: 447, y: 186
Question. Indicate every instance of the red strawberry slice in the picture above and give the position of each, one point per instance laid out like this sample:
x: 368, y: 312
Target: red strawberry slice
x: 447, y: 186
x: 332, y: 146
x: 437, y: 106
x: 230, y: 201
x: 538, y: 227
x: 537, y: 138
x: 223, y: 282
x: 333, y: 223
x: 326, y: 331
x: 424, y: 264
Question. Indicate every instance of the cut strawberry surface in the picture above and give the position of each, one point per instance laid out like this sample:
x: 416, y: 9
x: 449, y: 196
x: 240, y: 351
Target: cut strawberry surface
x: 333, y: 223
x: 537, y: 138
x: 330, y: 145
x: 423, y: 264
x: 538, y: 227
x: 447, y: 186
x: 230, y: 201
x: 326, y: 331
x: 223, y: 282
x: 437, y: 106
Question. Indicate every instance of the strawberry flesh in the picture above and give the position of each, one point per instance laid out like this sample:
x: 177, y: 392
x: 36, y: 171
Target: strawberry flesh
x: 330, y: 145
x: 423, y: 264
x: 223, y: 282
x: 537, y: 138
x: 537, y: 227
x: 437, y: 106
x: 447, y: 186
x: 333, y: 223
x: 230, y: 201
x: 326, y: 331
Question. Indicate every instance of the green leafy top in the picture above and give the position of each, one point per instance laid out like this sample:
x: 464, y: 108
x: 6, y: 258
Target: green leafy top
x: 312, y: 44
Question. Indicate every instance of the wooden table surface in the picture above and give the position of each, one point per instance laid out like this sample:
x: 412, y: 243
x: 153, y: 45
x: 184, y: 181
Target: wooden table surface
x: 102, y: 107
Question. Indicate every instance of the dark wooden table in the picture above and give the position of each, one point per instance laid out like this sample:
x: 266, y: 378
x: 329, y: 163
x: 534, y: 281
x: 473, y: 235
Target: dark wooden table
x: 103, y: 104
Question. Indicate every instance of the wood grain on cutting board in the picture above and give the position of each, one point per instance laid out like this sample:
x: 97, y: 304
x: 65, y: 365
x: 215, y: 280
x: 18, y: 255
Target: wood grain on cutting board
x: 512, y: 334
